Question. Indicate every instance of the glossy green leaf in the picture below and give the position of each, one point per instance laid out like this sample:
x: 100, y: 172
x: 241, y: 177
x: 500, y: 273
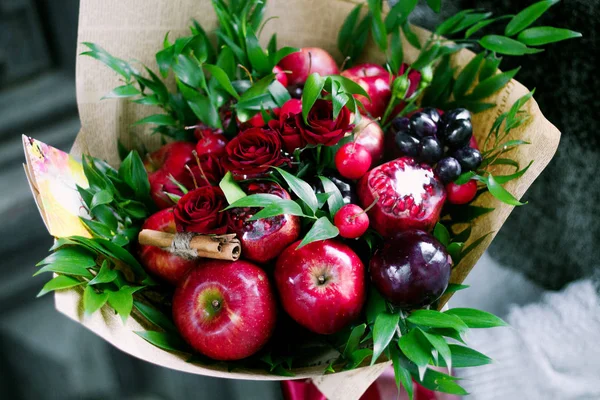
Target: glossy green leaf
x: 502, y: 179
x: 440, y: 382
x: 119, y: 253
x: 439, y: 344
x: 354, y: 340
x: 312, y: 90
x: 58, y: 283
x: 133, y: 173
x: 157, y: 119
x: 92, y: 300
x: 66, y: 268
x: 377, y: 26
x: 401, y: 374
x: 231, y: 189
x: 119, y: 66
x: 492, y: 84
x: 347, y: 29
x: 105, y: 275
x: 221, y: 76
x: 384, y: 330
x: 467, y: 76
x: 500, y: 193
x: 322, y: 229
x: 455, y: 287
x: 448, y: 25
x: 165, y: 59
x: 255, y: 200
x: 98, y: 229
x: 440, y: 232
x: 473, y: 245
x: 528, y: 16
x: 468, y: 21
x: 375, y: 305
x: 300, y: 188
x: 357, y: 358
x: 155, y: 316
x: 279, y: 93
x: 101, y: 197
x: 70, y: 255
x: 426, y: 57
x: 482, y: 24
x: 489, y: 67
x: 465, y: 357
x: 122, y: 300
x: 281, y: 207
x: 415, y: 347
x: 474, y: 318
x: 335, y: 200
x: 542, y: 35
x: 505, y: 45
x: 396, y: 55
x: 256, y: 55
x: 164, y: 340
x: 410, y: 36
x: 436, y: 319
x: 435, y: 5
x: 128, y: 90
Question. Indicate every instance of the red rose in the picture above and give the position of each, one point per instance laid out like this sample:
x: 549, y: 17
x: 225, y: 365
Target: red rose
x: 321, y: 127
x: 252, y: 152
x: 208, y: 173
x: 199, y: 211
x: 286, y: 126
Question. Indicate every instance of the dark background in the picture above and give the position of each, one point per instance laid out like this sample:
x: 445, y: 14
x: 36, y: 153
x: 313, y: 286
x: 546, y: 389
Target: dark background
x: 43, y: 355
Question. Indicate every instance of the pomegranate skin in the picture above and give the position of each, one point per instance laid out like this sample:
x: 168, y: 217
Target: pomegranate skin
x: 410, y: 196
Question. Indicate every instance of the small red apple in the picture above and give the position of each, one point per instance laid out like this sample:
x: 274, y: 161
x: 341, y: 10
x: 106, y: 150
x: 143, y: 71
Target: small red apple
x: 321, y: 285
x: 369, y: 134
x: 280, y: 75
x: 170, y: 160
x: 161, y: 263
x: 210, y: 142
x: 226, y: 310
x: 307, y: 61
x: 376, y: 81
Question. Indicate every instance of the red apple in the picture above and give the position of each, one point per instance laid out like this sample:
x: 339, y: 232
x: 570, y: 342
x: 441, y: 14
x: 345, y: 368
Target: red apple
x: 161, y: 263
x: 376, y: 81
x: 280, y: 75
x: 307, y: 61
x: 264, y: 239
x: 210, y: 142
x: 169, y: 160
x: 321, y: 285
x: 226, y: 310
x: 369, y: 134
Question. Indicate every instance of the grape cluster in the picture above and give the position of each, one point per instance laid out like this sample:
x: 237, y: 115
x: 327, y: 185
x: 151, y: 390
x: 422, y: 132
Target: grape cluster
x: 442, y: 140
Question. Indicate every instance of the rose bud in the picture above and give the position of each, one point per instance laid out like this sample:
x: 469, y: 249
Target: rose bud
x: 251, y: 153
x: 322, y: 128
x: 198, y: 211
x: 286, y: 125
x: 414, y: 78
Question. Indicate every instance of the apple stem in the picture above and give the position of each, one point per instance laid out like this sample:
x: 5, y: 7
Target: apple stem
x: 193, y: 177
x: 309, y: 62
x: 321, y: 279
x: 188, y: 128
x: 366, y: 210
x: 216, y: 303
x: 247, y: 73
x: 200, y: 167
x: 344, y: 63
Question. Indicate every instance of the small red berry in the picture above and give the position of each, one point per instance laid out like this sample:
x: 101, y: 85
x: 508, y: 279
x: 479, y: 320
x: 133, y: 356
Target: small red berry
x: 280, y: 75
x: 352, y: 160
x: 473, y: 143
x: 211, y: 143
x: 352, y: 221
x: 461, y: 194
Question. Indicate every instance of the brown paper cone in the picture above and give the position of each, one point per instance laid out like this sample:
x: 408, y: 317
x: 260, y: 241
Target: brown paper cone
x: 134, y: 29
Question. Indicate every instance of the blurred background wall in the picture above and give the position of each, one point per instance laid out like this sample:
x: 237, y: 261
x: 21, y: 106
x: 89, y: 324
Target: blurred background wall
x: 43, y: 355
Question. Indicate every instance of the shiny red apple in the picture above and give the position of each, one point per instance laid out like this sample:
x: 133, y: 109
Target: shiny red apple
x: 158, y: 262
x: 369, y: 134
x: 226, y: 310
x: 170, y: 160
x: 307, y: 61
x: 280, y: 75
x: 321, y: 285
x: 376, y: 81
x: 263, y: 239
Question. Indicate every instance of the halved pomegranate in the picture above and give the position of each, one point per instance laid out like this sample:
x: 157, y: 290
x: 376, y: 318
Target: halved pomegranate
x: 410, y: 196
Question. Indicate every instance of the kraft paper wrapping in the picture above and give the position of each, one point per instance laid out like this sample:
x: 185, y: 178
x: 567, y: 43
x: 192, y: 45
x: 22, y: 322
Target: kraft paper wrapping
x: 134, y: 30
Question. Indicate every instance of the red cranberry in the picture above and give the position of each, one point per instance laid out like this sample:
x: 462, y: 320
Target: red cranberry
x: 461, y: 194
x: 352, y: 160
x: 352, y: 221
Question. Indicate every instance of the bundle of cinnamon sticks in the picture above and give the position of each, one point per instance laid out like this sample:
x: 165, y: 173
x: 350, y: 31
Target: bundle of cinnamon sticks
x: 219, y: 247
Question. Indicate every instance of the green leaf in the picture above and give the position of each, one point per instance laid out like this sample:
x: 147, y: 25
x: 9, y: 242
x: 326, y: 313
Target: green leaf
x: 165, y: 59
x: 426, y: 57
x: 256, y: 55
x: 492, y: 84
x: 98, y: 229
x: 527, y: 17
x: 467, y: 213
x: 232, y: 190
x: 66, y: 268
x: 504, y: 45
x: 188, y: 70
x: 133, y: 173
x: 155, y: 316
x: 542, y: 35
x: 157, y: 119
x: 480, y: 25
x: 375, y: 305
x: 122, y: 300
x: 436, y: 319
x: 70, y: 255
x: 101, y: 197
x: 446, y: 27
x: 415, y: 347
x: 465, y: 357
x: 300, y: 188
x: 255, y: 200
x: 345, y: 33
x: 502, y: 179
x: 121, y: 254
x: 357, y: 358
x: 221, y: 77
x: 128, y: 90
x: 467, y: 76
x: 476, y: 318
x: 435, y: 5
x: 354, y: 340
x: 336, y: 200
x: 105, y: 275
x: 58, y: 283
x: 281, y: 207
x: 439, y: 344
x: 312, y: 90
x: 401, y: 374
x: 468, y: 20
x: 473, y: 245
x: 279, y: 93
x: 321, y: 230
x: 500, y: 193
x: 349, y: 86
x: 383, y: 331
x: 490, y: 66
x: 377, y: 26
x: 119, y: 66
x: 454, y: 250
x: 92, y: 300
x: 396, y: 52
x: 439, y: 382
x: 455, y: 287
x: 164, y: 340
x: 440, y: 232
x: 447, y: 332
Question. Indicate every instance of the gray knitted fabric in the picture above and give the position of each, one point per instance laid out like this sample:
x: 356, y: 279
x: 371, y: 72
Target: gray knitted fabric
x: 556, y: 238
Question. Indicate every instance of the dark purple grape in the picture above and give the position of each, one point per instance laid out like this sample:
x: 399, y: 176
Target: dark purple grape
x: 421, y: 125
x: 457, y: 133
x: 456, y: 114
x: 400, y: 124
x: 430, y: 150
x: 411, y: 270
x: 433, y: 114
x: 469, y: 158
x: 448, y: 169
x: 407, y: 145
x: 296, y: 91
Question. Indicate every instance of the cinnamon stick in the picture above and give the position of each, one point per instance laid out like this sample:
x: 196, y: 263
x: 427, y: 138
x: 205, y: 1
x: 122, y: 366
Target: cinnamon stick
x: 220, y: 247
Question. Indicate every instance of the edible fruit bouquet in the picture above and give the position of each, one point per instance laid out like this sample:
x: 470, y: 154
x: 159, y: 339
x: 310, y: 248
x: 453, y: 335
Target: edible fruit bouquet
x: 277, y: 212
